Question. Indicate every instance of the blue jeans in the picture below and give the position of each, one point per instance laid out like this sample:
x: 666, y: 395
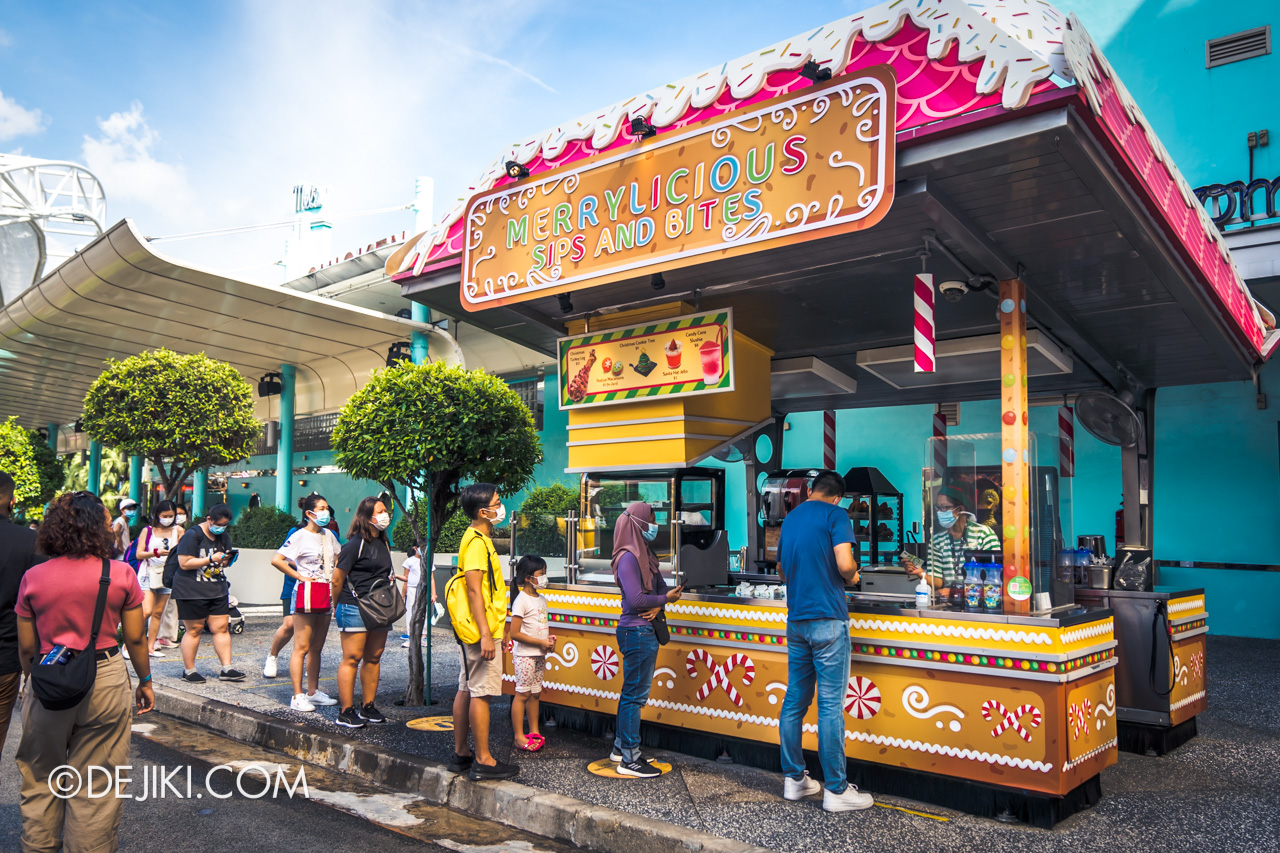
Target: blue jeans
x: 817, y: 651
x: 639, y: 649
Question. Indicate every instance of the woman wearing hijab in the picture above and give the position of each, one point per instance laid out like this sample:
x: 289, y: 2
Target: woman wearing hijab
x: 644, y: 594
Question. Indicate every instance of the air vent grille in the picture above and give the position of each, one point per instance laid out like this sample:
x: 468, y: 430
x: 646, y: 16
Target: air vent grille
x: 1233, y: 48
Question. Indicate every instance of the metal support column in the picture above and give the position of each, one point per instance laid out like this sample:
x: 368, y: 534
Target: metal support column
x: 419, y: 313
x: 199, y: 495
x: 135, y: 482
x: 95, y: 467
x: 54, y: 431
x: 284, y: 443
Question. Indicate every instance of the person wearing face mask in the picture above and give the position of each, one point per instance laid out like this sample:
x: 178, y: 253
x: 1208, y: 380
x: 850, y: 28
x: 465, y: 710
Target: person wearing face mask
x: 168, y: 638
x: 202, y: 591
x: 309, y: 556
x: 120, y: 527
x: 363, y: 564
x: 480, y: 678
x: 957, y: 531
x: 531, y: 642
x: 154, y: 544
x: 644, y: 594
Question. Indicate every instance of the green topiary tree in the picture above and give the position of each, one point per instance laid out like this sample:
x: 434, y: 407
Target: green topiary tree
x: 262, y: 527
x: 18, y: 460
x: 429, y: 428
x: 184, y: 413
x: 538, y: 530
x: 51, y: 468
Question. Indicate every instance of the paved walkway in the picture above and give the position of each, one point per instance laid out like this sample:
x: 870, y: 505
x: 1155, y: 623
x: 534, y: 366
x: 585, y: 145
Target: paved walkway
x: 1218, y: 792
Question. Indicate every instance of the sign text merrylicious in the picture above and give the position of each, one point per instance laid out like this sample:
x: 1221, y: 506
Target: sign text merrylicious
x: 787, y: 170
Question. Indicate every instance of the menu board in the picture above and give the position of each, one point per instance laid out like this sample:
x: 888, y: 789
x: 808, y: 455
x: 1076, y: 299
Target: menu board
x: 684, y: 355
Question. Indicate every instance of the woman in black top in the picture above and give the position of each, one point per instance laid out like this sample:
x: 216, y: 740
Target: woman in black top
x: 365, y: 561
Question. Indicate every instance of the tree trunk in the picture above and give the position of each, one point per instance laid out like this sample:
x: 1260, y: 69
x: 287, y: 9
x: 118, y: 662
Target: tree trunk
x: 418, y: 691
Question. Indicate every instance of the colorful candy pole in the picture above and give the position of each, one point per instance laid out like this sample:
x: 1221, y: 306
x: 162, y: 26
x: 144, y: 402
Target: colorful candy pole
x: 829, y: 440
x: 1015, y: 451
x: 924, y: 328
x: 1066, y: 442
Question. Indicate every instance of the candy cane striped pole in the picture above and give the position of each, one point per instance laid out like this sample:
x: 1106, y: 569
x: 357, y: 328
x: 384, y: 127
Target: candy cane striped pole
x: 829, y: 440
x: 1066, y: 442
x: 924, y: 327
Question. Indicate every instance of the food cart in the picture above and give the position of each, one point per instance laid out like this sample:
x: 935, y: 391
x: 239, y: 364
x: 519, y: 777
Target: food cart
x: 769, y: 237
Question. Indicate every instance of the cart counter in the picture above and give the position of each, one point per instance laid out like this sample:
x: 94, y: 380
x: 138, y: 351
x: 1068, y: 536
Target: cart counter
x: 1012, y: 701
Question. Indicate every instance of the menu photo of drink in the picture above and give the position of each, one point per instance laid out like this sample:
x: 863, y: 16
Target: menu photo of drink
x: 681, y: 356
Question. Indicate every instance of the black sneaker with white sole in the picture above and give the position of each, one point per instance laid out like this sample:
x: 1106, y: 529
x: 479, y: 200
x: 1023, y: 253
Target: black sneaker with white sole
x: 370, y: 714
x: 193, y: 678
x: 231, y: 675
x: 639, y: 769
x: 616, y: 757
x: 348, y: 718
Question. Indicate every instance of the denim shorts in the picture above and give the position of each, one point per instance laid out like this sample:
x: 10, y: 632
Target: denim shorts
x: 349, y: 619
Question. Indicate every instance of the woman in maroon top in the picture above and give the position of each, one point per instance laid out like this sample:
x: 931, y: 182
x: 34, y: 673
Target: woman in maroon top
x: 55, y: 608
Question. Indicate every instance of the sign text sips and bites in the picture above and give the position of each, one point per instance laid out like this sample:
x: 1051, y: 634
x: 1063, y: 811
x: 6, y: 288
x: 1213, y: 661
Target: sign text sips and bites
x: 794, y: 168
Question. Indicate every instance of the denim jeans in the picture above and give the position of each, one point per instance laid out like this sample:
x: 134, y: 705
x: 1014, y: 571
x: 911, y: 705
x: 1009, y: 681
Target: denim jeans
x: 639, y: 649
x: 817, y: 651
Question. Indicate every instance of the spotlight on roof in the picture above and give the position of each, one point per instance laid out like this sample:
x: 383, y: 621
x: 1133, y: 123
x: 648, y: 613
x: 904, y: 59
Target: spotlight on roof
x: 398, y: 352
x: 78, y: 426
x: 270, y: 385
x: 404, y: 314
x: 566, y: 304
x: 515, y: 171
x: 815, y: 72
x: 657, y: 282
x: 641, y: 128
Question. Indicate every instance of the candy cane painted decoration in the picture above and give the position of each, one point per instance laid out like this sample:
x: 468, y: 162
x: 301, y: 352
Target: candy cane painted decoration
x: 1079, y: 722
x: 1011, y: 719
x: 720, y: 673
x: 1066, y: 442
x: 862, y: 698
x: 924, y: 328
x: 604, y: 662
x: 1197, y: 664
x: 829, y: 440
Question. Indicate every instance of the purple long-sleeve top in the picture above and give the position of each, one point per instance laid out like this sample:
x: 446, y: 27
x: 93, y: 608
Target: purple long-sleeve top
x: 634, y: 598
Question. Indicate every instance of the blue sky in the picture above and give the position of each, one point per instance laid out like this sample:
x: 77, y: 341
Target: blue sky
x: 204, y: 115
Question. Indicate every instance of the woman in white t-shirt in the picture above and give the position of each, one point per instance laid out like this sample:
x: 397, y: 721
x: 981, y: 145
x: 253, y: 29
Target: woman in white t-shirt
x: 154, y: 544
x: 531, y: 641
x: 413, y: 573
x: 309, y: 556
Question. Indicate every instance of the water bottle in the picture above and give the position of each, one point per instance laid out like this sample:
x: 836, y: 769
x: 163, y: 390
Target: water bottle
x: 973, y: 587
x: 992, y: 589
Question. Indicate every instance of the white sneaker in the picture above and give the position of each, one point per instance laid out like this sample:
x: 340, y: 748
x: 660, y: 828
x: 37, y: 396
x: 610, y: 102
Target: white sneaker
x: 321, y: 698
x: 124, y: 652
x: 269, y: 668
x: 300, y: 703
x: 405, y: 644
x: 793, y: 789
x: 852, y: 800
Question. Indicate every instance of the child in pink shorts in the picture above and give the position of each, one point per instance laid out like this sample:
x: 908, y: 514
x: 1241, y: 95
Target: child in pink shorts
x: 531, y: 641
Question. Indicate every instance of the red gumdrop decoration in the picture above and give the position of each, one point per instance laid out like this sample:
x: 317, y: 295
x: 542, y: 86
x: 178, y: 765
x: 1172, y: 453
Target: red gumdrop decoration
x: 1024, y: 418
x: 1010, y: 418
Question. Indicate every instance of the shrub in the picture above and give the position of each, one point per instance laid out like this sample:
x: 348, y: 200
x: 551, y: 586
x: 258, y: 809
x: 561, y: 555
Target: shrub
x: 538, y: 531
x: 262, y: 527
x: 450, y: 538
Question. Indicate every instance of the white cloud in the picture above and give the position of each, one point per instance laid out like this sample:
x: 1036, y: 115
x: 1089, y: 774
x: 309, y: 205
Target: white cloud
x: 16, y: 120
x: 122, y: 159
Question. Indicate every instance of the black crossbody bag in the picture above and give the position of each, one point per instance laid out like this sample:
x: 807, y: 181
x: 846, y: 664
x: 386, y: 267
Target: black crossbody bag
x: 382, y: 605
x: 60, y: 687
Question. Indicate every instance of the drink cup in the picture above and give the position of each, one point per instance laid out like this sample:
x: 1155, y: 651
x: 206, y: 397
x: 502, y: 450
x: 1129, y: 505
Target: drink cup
x: 712, y: 362
x: 673, y: 350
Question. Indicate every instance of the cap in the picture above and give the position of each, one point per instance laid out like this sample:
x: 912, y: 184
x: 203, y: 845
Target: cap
x: 127, y: 503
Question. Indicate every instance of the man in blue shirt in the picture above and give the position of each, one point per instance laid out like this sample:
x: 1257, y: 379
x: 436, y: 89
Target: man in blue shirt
x: 815, y: 558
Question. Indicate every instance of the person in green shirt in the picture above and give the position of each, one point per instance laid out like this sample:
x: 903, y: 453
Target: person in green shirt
x: 958, y: 530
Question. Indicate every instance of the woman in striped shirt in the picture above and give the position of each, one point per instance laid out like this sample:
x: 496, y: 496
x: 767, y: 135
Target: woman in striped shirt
x: 958, y: 531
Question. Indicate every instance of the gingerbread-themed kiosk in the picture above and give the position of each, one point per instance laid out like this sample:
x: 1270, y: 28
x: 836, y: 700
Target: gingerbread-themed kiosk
x: 769, y: 237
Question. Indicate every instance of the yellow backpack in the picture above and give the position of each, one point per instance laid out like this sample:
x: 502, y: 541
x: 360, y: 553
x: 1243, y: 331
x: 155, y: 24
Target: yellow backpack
x: 494, y: 593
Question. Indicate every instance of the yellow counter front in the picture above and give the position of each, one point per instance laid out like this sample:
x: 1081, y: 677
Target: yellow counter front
x: 1020, y: 703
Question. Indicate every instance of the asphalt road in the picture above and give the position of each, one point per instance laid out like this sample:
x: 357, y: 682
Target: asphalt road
x: 206, y: 824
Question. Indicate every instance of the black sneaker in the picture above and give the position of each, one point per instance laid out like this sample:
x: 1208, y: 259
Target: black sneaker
x: 371, y: 714
x: 639, y: 769
x: 460, y: 763
x: 348, y: 718
x: 230, y: 675
x: 616, y: 757
x: 489, y: 772
x: 193, y: 677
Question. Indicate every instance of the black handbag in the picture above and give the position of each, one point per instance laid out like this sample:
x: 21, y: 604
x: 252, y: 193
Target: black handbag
x: 60, y: 687
x: 382, y: 605
x: 660, y: 629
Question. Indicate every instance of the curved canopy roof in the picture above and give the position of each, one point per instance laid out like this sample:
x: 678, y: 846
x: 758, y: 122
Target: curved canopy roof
x: 118, y: 297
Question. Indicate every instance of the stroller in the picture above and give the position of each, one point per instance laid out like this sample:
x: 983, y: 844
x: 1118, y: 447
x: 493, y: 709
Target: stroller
x: 235, y: 620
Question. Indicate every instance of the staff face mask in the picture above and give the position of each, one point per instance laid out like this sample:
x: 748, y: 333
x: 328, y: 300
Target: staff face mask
x: 947, y: 518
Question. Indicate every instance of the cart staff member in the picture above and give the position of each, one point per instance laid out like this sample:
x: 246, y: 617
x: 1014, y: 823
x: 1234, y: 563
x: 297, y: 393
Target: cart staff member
x: 958, y: 530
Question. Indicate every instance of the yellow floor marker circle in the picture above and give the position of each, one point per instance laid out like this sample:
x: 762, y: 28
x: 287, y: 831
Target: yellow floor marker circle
x: 432, y: 724
x: 606, y: 768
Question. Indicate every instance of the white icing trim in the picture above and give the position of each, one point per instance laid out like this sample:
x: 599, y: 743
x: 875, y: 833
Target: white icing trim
x: 1088, y: 632
x: 1014, y: 39
x: 941, y: 749
x: 586, y: 600
x: 1189, y: 604
x: 736, y: 716
x: 729, y: 612
x: 570, y: 688
x: 1067, y: 765
x: 1182, y: 703
x: 1022, y: 637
